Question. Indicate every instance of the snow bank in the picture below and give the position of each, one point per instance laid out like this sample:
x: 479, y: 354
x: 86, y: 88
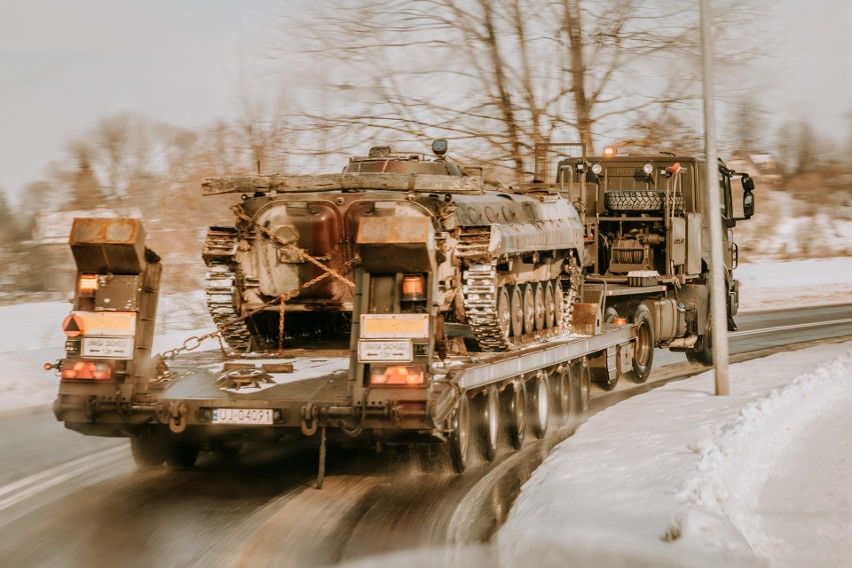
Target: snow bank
x: 673, y: 477
x: 768, y: 285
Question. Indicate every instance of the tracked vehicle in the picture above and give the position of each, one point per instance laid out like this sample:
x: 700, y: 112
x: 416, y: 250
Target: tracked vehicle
x: 506, y: 262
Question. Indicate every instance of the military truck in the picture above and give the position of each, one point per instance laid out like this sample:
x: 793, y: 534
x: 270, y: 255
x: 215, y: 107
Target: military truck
x: 402, y: 301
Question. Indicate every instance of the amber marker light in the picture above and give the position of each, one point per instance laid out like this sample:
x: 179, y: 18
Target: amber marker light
x: 412, y: 288
x: 609, y: 151
x: 88, y: 282
x: 396, y: 375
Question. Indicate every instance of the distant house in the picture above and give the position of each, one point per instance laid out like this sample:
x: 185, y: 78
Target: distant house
x: 758, y: 164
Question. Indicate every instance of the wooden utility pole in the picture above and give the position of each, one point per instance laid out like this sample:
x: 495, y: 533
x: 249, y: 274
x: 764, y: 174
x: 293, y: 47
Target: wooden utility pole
x: 718, y: 293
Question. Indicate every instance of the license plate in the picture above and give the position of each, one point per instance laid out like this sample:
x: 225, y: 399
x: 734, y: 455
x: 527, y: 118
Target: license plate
x: 242, y: 416
x: 108, y: 347
x: 384, y: 350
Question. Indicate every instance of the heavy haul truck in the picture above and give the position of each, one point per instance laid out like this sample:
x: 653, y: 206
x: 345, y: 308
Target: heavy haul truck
x: 402, y: 301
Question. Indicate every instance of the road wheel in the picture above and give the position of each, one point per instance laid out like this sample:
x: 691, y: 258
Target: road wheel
x: 540, y: 406
x: 702, y: 351
x: 517, y: 311
x: 549, y: 305
x: 149, y: 448
x: 489, y: 422
x: 529, y: 308
x: 460, y: 434
x: 558, y: 303
x: 515, y: 413
x: 182, y: 452
x: 564, y: 395
x: 584, y: 386
x: 643, y: 350
x: 538, y: 303
x: 504, y: 312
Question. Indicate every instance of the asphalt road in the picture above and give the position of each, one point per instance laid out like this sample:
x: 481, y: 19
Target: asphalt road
x: 67, y: 500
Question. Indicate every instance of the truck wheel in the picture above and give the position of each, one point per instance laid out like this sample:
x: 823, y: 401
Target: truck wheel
x: 643, y: 351
x: 182, y: 453
x: 540, y: 406
x: 639, y: 200
x: 516, y: 414
x: 584, y: 386
x: 489, y: 426
x: 148, y: 449
x: 702, y: 351
x: 459, y: 434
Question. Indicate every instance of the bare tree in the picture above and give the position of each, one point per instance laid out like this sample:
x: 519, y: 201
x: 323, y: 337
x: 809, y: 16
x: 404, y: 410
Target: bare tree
x: 507, y: 74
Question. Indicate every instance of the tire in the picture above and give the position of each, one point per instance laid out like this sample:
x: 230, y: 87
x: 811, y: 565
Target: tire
x: 149, y: 449
x: 583, y: 395
x: 460, y: 435
x: 702, y: 351
x: 182, y: 453
x: 564, y: 395
x: 643, y: 350
x: 515, y: 414
x: 489, y: 423
x: 540, y: 406
x: 639, y: 200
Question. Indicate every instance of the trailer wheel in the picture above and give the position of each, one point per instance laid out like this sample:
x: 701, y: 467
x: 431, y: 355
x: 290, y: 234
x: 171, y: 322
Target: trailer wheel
x: 182, y: 453
x: 149, y: 449
x: 584, y: 386
x: 564, y: 395
x: 460, y: 434
x: 489, y: 425
x: 643, y: 351
x: 516, y: 414
x: 540, y: 406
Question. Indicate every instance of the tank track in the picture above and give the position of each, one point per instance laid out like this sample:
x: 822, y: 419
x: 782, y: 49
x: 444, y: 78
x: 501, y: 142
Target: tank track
x: 221, y: 288
x: 479, y: 295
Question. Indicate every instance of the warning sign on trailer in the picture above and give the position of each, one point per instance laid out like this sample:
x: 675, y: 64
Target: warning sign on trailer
x: 72, y: 326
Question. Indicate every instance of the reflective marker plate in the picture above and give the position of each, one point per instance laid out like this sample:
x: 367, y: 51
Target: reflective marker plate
x: 242, y: 416
x: 108, y: 347
x: 384, y: 350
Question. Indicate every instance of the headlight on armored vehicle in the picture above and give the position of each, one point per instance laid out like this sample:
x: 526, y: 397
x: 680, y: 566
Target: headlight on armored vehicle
x: 597, y: 168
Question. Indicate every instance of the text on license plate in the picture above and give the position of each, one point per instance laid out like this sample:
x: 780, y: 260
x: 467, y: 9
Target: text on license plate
x: 242, y: 416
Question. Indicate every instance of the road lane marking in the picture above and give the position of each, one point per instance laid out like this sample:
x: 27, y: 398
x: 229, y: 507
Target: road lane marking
x: 790, y: 327
x: 29, y: 486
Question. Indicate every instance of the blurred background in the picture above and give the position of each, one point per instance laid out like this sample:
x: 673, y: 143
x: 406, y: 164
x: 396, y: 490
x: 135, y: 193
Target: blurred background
x: 121, y: 109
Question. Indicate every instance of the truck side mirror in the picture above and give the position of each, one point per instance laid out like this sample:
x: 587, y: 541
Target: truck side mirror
x: 748, y: 183
x: 748, y: 202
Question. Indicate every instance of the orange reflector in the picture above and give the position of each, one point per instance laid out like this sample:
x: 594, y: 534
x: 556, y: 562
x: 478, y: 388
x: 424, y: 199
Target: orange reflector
x: 106, y: 323
x: 88, y: 282
x: 619, y: 321
x: 72, y: 326
x: 412, y: 288
x: 396, y: 375
x: 78, y: 369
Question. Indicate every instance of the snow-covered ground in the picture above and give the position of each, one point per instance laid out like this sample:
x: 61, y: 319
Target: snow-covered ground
x: 671, y: 478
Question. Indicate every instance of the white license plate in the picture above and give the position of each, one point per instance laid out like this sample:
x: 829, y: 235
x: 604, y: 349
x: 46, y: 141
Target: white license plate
x: 384, y: 350
x: 242, y: 416
x: 108, y: 347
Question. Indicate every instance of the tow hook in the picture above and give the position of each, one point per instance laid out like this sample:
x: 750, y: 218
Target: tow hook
x: 309, y: 419
x: 177, y: 417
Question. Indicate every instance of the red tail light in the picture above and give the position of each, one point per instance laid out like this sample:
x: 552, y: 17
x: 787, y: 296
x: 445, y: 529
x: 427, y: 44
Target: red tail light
x: 78, y: 369
x: 396, y: 375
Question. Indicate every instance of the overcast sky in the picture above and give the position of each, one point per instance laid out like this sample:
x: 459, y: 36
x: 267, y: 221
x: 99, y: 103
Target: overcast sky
x: 66, y: 64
